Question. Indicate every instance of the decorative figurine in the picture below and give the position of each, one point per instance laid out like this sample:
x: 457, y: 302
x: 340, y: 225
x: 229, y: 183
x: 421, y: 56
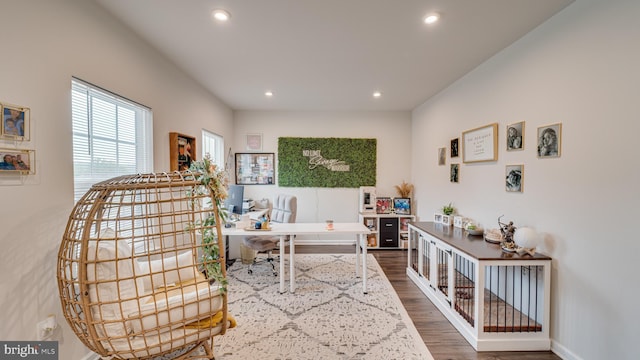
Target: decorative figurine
x: 507, y: 231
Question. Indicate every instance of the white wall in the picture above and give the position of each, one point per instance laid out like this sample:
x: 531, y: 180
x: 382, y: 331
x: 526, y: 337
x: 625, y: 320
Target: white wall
x: 580, y: 69
x: 46, y: 43
x: 391, y: 129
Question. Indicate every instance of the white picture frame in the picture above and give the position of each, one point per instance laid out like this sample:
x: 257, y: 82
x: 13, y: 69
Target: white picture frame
x: 437, y: 218
x: 253, y: 142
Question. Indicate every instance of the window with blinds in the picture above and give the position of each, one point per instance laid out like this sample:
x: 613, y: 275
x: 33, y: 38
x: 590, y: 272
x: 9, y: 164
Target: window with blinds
x: 112, y: 136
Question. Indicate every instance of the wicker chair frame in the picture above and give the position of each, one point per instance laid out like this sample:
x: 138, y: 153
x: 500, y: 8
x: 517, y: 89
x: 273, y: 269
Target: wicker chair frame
x: 133, y: 267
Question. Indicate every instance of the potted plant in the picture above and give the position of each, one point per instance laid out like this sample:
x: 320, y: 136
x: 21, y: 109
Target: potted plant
x: 448, y: 209
x: 447, y: 217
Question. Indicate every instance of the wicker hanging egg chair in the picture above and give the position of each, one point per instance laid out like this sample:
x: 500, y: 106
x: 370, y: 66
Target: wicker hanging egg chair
x: 140, y: 268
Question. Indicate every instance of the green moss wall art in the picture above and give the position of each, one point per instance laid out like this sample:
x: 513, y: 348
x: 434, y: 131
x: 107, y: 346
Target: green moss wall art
x: 326, y: 162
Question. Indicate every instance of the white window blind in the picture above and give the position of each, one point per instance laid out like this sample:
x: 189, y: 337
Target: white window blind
x: 213, y: 146
x: 112, y: 136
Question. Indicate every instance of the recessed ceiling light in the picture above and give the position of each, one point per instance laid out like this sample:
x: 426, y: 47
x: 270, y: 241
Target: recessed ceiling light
x: 268, y: 93
x: 431, y: 18
x: 221, y: 15
x: 377, y: 94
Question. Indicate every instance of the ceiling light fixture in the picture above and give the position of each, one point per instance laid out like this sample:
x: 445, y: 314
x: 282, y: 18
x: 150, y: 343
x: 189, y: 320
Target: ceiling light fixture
x: 431, y: 18
x: 268, y: 93
x: 221, y: 15
x: 377, y: 94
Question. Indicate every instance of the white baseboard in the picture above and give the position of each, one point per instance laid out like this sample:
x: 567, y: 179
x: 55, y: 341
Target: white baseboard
x: 563, y: 352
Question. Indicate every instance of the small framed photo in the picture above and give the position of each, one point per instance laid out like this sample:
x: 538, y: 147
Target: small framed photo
x: 447, y: 220
x: 458, y: 221
x: 442, y: 154
x: 402, y: 206
x: 437, y: 218
x: 15, y: 122
x: 17, y: 161
x: 454, y: 173
x: 515, y: 136
x: 549, y: 140
x: 454, y: 147
x: 404, y: 223
x: 254, y: 142
x: 383, y: 205
x: 514, y: 175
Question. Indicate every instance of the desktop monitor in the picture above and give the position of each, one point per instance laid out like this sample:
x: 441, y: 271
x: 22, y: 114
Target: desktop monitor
x: 233, y: 203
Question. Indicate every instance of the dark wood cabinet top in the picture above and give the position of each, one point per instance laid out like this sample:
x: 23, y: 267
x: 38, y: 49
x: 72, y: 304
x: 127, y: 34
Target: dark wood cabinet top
x: 474, y: 246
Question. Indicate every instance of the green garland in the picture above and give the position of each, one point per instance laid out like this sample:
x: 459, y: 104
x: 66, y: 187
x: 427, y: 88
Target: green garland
x: 214, y: 181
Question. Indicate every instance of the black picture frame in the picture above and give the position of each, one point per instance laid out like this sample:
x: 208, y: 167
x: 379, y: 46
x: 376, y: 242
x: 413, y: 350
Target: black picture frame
x: 255, y: 169
x: 455, y: 146
x: 402, y: 206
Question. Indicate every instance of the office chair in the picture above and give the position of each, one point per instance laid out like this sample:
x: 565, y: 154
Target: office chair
x: 284, y: 211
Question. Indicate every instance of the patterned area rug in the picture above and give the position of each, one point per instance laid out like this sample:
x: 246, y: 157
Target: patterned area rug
x: 328, y: 317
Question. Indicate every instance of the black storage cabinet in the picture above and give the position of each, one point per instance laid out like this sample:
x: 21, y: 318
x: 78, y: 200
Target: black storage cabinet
x: 389, y: 232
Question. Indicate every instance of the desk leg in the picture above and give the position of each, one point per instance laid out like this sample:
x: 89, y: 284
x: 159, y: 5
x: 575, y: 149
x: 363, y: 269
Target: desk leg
x: 292, y: 271
x: 364, y: 264
x: 282, y: 255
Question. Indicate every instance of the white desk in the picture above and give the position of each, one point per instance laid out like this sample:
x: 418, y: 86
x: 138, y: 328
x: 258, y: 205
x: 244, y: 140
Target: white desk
x: 288, y: 230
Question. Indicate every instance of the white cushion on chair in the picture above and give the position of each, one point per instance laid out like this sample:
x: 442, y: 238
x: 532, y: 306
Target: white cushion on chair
x: 116, y: 291
x: 285, y: 208
x: 168, y: 270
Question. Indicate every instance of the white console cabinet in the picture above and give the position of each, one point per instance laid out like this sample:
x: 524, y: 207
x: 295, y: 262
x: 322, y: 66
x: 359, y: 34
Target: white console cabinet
x: 388, y: 231
x: 498, y: 301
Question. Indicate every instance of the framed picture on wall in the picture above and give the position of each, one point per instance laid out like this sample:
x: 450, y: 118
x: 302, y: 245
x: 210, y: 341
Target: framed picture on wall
x: 442, y: 154
x: 514, y: 175
x: 455, y: 173
x: 480, y: 144
x: 254, y: 142
x: 515, y: 136
x: 454, y: 147
x: 15, y: 122
x: 17, y: 161
x: 255, y: 169
x: 549, y: 140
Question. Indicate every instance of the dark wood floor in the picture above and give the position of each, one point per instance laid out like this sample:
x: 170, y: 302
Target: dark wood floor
x: 442, y: 339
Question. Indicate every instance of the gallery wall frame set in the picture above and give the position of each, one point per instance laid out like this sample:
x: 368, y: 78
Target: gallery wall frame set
x: 16, y: 127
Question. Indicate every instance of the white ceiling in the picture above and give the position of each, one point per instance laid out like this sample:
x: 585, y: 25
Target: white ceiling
x: 330, y: 54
